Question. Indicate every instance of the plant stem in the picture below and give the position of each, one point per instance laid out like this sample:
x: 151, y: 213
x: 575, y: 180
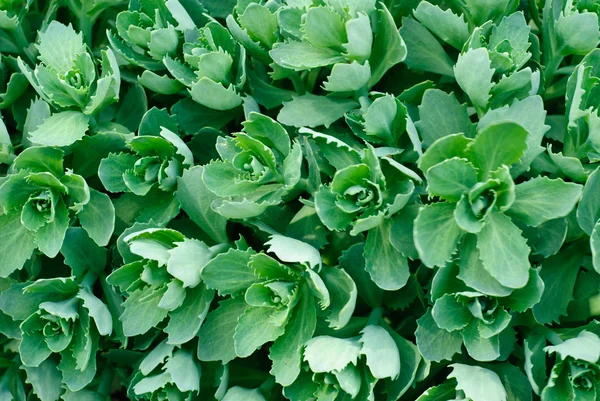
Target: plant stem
x: 89, y: 279
x: 375, y: 316
x: 551, y: 68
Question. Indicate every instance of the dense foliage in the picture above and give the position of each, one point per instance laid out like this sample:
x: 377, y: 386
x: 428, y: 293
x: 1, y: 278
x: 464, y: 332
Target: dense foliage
x: 312, y: 200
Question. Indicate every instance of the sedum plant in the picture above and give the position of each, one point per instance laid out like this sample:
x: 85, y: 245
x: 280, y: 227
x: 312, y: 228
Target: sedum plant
x: 66, y: 319
x: 162, y: 277
x: 284, y: 298
x: 481, y: 199
x: 39, y: 197
x: 259, y: 167
x: 67, y: 79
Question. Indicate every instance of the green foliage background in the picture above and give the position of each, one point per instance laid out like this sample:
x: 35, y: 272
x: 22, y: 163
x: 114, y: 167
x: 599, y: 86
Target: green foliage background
x: 311, y: 200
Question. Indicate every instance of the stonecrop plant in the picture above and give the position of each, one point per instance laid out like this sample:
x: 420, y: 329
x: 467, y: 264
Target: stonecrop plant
x: 303, y: 200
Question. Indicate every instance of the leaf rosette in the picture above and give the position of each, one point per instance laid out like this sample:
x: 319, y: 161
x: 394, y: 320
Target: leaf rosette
x: 154, y: 162
x: 363, y: 194
x: 581, y: 143
x: 501, y: 55
x: 57, y: 319
x: 213, y: 68
x: 259, y: 167
x: 167, y: 372
x: 481, y: 320
x: 146, y: 34
x: 161, y: 278
x: 383, y: 121
x: 274, y: 301
x: 576, y: 373
x: 338, y: 368
x: 66, y: 78
x: 498, y: 382
x: 472, y: 178
x: 41, y: 197
x: 337, y: 47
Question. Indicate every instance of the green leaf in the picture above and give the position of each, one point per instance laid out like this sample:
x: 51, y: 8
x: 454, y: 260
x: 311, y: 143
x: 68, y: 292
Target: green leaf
x: 82, y: 253
x: 343, y: 293
x: 504, y: 251
x: 196, y: 201
x: 535, y: 361
x: 423, y: 51
x: 442, y: 115
x: 447, y: 147
x: 229, y: 273
x: 480, y: 348
x: 387, y: 266
x: 112, y: 169
x: 595, y: 245
x: 436, y: 344
x: 388, y: 49
x: 436, y: 233
x: 61, y: 129
x: 515, y: 382
x: 559, y: 273
x: 446, y: 25
x: 237, y: 393
x: 59, y: 46
x: 474, y: 274
x: 255, y: 327
x: 529, y: 113
x: 584, y: 347
x: 381, y: 352
x: 449, y: 314
x: 303, y: 56
x: 477, y: 383
x: 97, y: 311
x: 291, y: 250
x: 216, y: 334
x: 577, y: 33
x: 186, y: 320
x: 410, y: 363
x: 40, y: 159
x: 152, y: 383
x: 184, y: 372
x: 286, y: 351
x: 323, y: 28
x: 328, y: 211
x: 312, y: 111
x: 588, y: 212
x: 46, y: 380
x: 442, y: 392
x: 141, y: 311
x: 16, y: 244
x: 353, y: 262
x: 161, y: 84
x: 327, y: 354
x: 497, y: 145
x: 33, y: 348
x: 49, y: 238
x: 451, y: 178
x: 347, y: 77
x: 98, y: 217
x: 541, y: 199
x: 473, y: 72
x: 20, y: 306
x: 187, y: 260
x: 401, y: 232
x: 214, y: 95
